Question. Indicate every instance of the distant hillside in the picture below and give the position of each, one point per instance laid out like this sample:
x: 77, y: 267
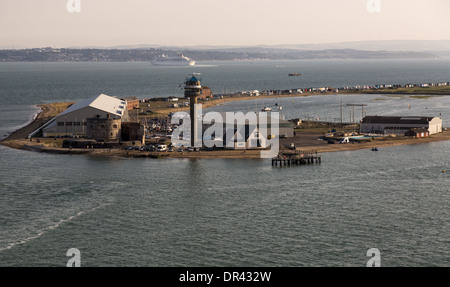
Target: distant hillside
x: 382, y: 45
x: 290, y: 54
x: 127, y: 55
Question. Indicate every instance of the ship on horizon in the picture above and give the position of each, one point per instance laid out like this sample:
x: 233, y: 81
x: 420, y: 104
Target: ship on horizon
x: 180, y: 60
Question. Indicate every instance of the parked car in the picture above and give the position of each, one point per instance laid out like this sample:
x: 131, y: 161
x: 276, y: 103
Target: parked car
x: 161, y: 147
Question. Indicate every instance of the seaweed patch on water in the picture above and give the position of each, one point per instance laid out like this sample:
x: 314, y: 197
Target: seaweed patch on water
x: 397, y: 96
x: 426, y: 96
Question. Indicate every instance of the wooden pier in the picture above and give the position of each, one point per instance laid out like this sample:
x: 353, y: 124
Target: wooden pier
x: 296, y: 158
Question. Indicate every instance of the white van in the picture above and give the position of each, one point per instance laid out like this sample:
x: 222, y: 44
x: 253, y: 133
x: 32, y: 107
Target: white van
x: 161, y: 147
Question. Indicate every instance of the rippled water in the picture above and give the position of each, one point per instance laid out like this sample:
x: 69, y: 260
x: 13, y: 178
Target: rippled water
x: 224, y: 212
x: 127, y: 212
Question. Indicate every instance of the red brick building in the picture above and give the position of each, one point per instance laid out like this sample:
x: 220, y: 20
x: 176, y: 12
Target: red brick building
x: 206, y: 93
x: 132, y: 103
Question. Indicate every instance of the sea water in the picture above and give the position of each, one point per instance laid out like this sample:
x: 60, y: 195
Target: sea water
x: 226, y: 212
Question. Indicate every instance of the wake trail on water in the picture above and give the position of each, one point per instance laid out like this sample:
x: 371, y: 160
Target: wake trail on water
x: 206, y: 66
x: 49, y: 228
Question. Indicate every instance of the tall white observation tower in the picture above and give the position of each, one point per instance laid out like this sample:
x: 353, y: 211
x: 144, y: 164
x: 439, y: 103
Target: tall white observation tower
x: 193, y: 89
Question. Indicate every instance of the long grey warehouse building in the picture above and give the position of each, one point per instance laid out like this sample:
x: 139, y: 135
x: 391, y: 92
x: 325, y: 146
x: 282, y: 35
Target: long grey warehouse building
x: 400, y: 125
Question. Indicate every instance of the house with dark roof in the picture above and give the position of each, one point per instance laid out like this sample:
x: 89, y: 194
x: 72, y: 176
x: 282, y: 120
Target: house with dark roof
x: 400, y: 125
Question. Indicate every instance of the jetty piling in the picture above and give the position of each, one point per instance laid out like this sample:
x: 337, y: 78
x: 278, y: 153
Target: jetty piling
x: 296, y: 158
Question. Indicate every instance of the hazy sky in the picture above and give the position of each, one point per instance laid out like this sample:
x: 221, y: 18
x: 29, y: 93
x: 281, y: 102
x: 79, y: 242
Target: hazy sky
x: 43, y: 23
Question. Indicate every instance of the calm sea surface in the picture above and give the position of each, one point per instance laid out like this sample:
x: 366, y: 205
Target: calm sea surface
x: 223, y: 212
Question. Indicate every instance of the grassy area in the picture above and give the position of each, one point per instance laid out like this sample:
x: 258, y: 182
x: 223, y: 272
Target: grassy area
x: 321, y: 130
x: 60, y: 107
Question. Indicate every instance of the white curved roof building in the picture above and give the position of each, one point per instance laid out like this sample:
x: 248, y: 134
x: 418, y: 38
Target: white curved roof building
x: 72, y: 122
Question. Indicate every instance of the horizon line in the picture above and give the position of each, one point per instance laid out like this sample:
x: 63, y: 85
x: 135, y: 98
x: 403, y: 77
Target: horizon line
x: 205, y: 46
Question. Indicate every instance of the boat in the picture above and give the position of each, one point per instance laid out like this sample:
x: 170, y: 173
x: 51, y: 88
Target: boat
x: 180, y: 60
x: 280, y: 107
x: 374, y: 149
x: 266, y: 109
x: 295, y: 74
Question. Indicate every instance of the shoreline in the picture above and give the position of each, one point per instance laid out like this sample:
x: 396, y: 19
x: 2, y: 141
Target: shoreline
x: 215, y: 102
x: 46, y: 112
x: 444, y: 136
x: 35, y: 146
x: 18, y: 139
x: 21, y: 126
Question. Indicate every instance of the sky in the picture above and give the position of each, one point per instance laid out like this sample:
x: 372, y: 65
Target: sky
x: 109, y: 23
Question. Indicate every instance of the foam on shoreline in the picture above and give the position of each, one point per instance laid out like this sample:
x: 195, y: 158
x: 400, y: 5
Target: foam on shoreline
x: 32, y: 117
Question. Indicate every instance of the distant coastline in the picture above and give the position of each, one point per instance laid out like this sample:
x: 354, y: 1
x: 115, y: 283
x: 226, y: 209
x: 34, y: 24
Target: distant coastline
x: 50, y: 54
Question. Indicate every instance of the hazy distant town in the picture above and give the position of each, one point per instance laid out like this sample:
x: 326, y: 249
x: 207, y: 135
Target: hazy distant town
x: 49, y: 54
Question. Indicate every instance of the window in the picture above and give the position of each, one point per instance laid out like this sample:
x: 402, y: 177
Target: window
x: 69, y: 124
x: 76, y: 124
x: 60, y: 124
x: 115, y: 126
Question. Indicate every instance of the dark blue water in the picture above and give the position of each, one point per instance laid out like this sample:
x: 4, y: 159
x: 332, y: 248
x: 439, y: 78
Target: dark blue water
x: 223, y: 212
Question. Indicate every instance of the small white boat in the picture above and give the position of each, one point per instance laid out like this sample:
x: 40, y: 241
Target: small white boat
x: 266, y: 109
x: 280, y: 107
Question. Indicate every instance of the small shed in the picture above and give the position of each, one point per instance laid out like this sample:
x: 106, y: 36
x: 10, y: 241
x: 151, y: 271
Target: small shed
x: 418, y: 133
